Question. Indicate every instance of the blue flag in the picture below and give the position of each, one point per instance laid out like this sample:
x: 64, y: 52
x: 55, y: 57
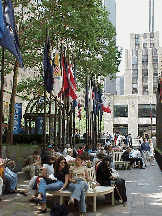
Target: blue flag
x: 10, y: 40
x: 1, y: 21
x: 48, y: 67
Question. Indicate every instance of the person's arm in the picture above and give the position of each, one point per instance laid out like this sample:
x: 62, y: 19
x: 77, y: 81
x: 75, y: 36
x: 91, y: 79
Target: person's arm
x: 71, y: 180
x: 65, y: 184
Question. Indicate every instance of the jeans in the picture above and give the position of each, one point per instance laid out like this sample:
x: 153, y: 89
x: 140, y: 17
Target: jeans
x: 43, y: 187
x: 11, y: 179
x: 79, y: 189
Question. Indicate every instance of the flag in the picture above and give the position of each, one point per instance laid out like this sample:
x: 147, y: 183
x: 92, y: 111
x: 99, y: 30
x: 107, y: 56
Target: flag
x: 79, y: 110
x: 72, y: 85
x: 57, y: 75
x: 90, y: 98
x: 75, y: 101
x: 10, y: 40
x: 1, y: 21
x: 48, y: 67
x: 86, y: 97
x: 65, y: 87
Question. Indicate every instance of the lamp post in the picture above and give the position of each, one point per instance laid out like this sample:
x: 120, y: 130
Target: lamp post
x: 151, y: 115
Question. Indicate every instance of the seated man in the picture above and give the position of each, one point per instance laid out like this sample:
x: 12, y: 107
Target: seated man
x: 32, y: 164
x: 127, y: 157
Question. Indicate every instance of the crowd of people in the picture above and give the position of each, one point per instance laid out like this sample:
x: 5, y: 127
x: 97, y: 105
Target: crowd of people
x: 52, y: 171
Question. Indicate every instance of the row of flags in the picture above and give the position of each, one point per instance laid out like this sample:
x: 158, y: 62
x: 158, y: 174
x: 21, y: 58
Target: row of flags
x: 8, y: 35
x: 59, y: 76
x: 94, y: 101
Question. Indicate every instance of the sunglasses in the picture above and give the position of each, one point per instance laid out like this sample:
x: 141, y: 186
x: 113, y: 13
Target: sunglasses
x: 62, y: 162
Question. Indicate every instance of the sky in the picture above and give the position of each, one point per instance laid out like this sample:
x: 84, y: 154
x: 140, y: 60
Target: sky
x: 132, y: 16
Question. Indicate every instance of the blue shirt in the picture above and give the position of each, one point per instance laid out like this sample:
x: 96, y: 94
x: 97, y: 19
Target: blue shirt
x: 145, y: 147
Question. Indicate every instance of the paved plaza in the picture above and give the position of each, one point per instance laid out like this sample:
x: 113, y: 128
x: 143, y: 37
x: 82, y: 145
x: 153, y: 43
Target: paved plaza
x: 144, y: 192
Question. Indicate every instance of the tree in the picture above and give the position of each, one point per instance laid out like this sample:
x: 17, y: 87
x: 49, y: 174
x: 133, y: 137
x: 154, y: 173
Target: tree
x: 82, y: 26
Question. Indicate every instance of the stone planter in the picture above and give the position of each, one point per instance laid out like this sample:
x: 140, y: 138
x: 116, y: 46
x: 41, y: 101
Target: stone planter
x: 158, y: 157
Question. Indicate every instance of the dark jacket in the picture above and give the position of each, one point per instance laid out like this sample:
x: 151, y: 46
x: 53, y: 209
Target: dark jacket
x: 103, y: 174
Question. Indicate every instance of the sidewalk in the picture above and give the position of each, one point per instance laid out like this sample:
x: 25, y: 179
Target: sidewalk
x: 144, y: 192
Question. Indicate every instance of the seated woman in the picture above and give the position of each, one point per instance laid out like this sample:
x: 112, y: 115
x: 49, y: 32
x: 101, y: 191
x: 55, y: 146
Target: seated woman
x: 1, y: 176
x: 104, y: 176
x: 62, y: 175
x: 78, y: 184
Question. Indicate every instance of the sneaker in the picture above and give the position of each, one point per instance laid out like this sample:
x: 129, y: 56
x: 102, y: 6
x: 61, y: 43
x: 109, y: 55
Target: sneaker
x: 152, y: 165
x: 117, y: 202
x: 145, y: 165
x: 142, y: 168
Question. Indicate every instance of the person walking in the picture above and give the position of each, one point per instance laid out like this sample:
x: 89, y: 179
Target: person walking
x: 151, y: 152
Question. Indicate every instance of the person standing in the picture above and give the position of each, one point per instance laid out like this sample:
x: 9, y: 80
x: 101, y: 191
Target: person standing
x: 145, y: 148
x: 151, y: 152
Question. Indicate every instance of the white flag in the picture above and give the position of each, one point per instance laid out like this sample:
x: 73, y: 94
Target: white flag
x: 57, y: 75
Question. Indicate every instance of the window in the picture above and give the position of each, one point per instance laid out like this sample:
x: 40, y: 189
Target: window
x: 134, y: 80
x: 154, y: 52
x: 10, y: 84
x: 144, y: 45
x: 120, y: 111
x: 151, y: 34
x: 144, y: 110
x: 5, y: 82
x: 152, y: 45
x: 145, y: 52
x: 145, y: 90
x: 134, y: 60
x: 155, y: 66
x: 135, y: 53
x: 145, y: 35
x: 155, y: 79
x: 145, y: 73
x: 134, y: 66
x: 136, y: 36
x: 145, y: 79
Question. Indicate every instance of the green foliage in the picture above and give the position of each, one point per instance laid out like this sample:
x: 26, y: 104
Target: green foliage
x: 82, y: 26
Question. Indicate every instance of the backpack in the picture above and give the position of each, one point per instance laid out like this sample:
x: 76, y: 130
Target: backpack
x: 59, y: 210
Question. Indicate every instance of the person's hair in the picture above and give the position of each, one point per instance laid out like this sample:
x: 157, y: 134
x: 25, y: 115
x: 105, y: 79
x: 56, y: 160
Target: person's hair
x: 80, y: 147
x: 107, y: 158
x: 100, y: 155
x: 36, y: 152
x: 80, y: 157
x: 57, y: 164
x: 85, y: 155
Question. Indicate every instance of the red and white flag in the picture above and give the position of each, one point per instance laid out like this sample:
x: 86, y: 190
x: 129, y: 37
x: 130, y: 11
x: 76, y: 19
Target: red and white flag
x: 105, y: 107
x: 72, y: 85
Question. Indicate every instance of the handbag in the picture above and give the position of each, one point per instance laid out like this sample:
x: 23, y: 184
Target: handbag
x: 114, y: 174
x: 59, y: 210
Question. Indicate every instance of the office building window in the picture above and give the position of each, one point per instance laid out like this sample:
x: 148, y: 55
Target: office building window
x: 154, y: 52
x: 154, y: 89
x: 120, y: 111
x: 145, y: 89
x: 151, y: 34
x: 135, y: 53
x: 152, y: 45
x: 145, y: 35
x: 144, y: 110
x: 134, y: 88
x: 144, y: 45
x: 134, y: 80
x: 145, y: 52
x: 136, y: 36
x: 5, y: 82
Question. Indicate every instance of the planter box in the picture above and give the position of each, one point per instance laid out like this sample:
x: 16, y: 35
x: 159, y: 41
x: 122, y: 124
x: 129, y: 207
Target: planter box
x: 158, y: 157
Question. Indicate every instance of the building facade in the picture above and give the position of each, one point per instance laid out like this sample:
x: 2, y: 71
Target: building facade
x: 135, y: 111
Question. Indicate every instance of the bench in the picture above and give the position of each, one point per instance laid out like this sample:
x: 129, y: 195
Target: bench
x: 92, y: 192
x: 118, y: 160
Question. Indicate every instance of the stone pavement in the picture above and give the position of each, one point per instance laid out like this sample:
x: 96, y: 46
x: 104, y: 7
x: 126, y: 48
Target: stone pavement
x: 144, y: 192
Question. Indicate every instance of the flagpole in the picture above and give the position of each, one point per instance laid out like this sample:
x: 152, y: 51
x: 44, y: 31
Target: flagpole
x: 44, y: 131
x: 1, y: 104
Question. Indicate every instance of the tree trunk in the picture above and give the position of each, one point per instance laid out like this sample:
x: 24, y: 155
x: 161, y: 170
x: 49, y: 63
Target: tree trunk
x: 12, y: 105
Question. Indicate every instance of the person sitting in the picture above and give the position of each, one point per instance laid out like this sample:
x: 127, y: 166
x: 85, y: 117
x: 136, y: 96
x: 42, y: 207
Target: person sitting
x: 105, y: 175
x: 126, y: 157
x: 1, y: 176
x: 80, y: 150
x: 48, y: 169
x: 32, y: 164
x: 61, y: 174
x: 9, y: 177
x: 78, y: 184
x: 98, y: 160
